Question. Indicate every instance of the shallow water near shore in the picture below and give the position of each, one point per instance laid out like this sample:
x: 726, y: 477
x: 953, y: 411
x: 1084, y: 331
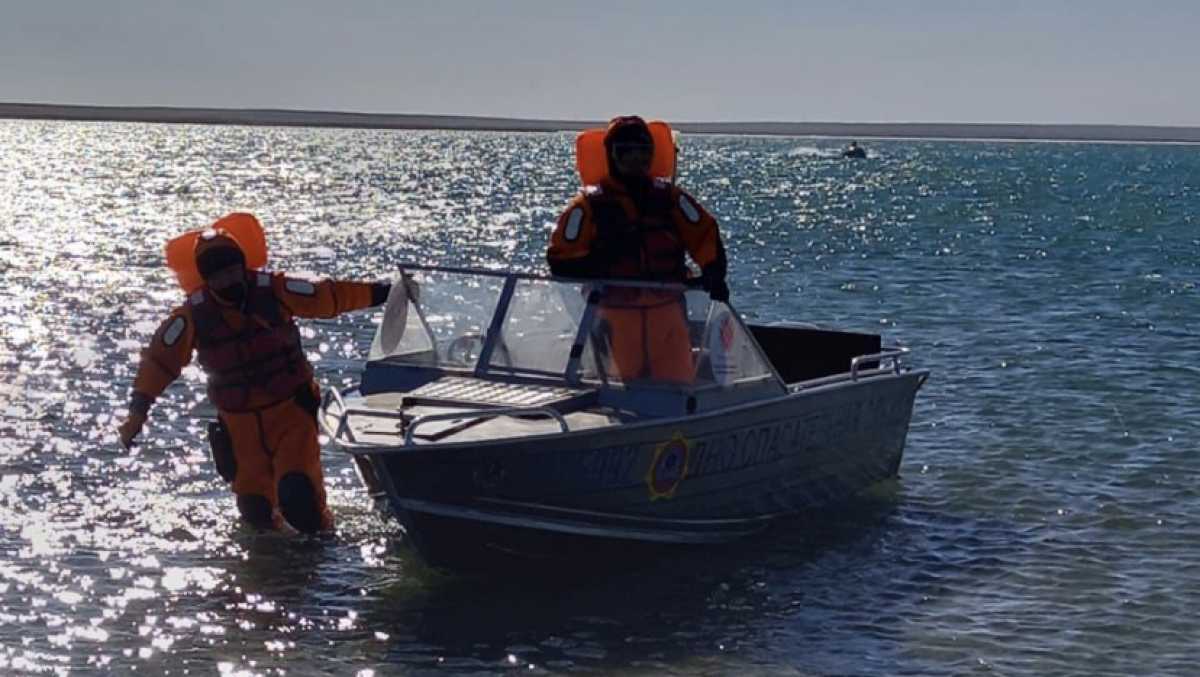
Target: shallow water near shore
x: 1047, y: 516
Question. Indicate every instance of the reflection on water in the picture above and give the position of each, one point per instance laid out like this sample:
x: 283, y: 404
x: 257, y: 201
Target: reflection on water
x: 1042, y: 525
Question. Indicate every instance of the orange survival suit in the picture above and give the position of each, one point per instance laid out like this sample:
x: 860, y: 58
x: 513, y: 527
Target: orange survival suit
x: 258, y: 379
x: 629, y: 224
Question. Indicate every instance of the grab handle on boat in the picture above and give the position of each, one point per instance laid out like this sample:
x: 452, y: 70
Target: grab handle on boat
x: 344, y: 434
x: 484, y: 413
x: 894, y: 355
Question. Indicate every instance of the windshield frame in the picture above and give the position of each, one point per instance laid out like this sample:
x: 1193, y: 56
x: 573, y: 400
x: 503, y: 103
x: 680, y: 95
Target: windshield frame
x: 572, y: 373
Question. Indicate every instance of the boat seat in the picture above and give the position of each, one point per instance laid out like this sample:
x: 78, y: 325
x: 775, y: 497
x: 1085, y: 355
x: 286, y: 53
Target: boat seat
x: 474, y: 393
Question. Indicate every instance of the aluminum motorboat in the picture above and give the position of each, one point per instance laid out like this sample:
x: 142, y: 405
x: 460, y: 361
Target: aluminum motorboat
x: 493, y: 412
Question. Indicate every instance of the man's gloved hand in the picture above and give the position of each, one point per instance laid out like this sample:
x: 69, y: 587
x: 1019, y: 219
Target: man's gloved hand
x: 130, y: 428
x: 719, y: 291
x: 713, y: 280
x: 379, y: 293
x: 412, y: 287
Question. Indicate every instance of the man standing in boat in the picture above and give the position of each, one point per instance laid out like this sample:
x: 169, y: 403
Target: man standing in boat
x: 631, y: 222
x: 240, y: 323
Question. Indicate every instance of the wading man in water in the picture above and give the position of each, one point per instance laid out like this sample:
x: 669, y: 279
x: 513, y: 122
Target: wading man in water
x: 240, y: 324
x: 634, y: 225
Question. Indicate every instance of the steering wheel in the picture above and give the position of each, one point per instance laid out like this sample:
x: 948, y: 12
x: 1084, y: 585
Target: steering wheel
x: 465, y: 349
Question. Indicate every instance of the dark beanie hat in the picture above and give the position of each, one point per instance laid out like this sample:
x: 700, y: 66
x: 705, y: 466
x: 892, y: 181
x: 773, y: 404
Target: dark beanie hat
x: 216, y: 250
x: 627, y: 129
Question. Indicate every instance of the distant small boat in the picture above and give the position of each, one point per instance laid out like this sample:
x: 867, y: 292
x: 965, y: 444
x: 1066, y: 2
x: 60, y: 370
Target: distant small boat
x: 854, y: 151
x: 490, y: 416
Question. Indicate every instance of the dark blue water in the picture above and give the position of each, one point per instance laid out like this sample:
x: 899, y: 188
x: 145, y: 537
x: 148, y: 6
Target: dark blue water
x: 1047, y: 517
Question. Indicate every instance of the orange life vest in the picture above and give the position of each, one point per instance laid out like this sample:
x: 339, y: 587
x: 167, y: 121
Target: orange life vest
x: 265, y: 353
x: 659, y: 253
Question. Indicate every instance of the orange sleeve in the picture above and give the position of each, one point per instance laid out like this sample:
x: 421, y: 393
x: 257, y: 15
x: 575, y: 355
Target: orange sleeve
x: 574, y: 233
x: 169, y: 351
x: 321, y: 298
x: 697, y: 228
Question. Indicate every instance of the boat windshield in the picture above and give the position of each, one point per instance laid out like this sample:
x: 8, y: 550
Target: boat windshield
x: 568, y: 331
x: 438, y: 319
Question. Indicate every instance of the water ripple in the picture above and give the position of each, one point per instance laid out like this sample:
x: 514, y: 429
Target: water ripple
x: 1043, y: 523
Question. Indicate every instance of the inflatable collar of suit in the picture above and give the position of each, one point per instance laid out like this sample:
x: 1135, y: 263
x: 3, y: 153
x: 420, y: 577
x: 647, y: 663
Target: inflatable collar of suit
x: 591, y: 152
x: 244, y: 229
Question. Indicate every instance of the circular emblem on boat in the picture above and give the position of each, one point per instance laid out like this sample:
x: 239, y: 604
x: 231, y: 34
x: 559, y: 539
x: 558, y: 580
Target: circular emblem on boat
x: 668, y: 467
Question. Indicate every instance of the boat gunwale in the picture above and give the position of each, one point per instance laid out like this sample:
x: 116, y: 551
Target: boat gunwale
x: 845, y: 382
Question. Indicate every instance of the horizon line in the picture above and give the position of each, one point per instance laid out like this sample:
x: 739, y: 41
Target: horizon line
x: 1009, y: 131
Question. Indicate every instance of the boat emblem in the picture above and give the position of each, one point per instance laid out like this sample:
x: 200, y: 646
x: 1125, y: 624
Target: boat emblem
x: 668, y: 468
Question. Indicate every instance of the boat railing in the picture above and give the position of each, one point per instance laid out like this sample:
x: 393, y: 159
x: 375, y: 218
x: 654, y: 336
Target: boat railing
x: 860, y: 367
x: 895, y: 355
x: 343, y: 433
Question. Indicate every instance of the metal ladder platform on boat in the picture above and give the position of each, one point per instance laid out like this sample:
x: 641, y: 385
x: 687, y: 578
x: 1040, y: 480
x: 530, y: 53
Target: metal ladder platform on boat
x: 461, y: 402
x: 450, y: 405
x: 473, y: 393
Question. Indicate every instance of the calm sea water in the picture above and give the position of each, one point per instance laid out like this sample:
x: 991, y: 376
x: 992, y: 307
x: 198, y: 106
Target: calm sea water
x: 1047, y: 520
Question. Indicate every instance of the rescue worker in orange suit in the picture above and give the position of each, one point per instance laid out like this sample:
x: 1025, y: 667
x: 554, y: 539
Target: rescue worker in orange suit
x: 240, y: 324
x: 633, y: 226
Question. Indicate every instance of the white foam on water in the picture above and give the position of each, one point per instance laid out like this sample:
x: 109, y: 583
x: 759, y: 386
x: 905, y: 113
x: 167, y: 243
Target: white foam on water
x: 77, y: 248
x: 809, y: 151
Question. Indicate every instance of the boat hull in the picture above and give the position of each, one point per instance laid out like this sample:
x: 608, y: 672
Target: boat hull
x: 706, y: 478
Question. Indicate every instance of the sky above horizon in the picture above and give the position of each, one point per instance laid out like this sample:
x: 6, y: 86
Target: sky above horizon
x: 1055, y: 61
